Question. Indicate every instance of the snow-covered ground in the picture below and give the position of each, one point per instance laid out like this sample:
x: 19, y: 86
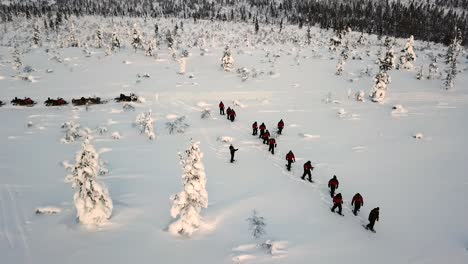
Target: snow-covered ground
x: 419, y: 184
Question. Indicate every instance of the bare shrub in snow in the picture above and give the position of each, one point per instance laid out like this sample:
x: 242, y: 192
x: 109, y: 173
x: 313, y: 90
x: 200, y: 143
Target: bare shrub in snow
x: 48, y: 210
x: 177, y: 126
x: 145, y: 123
x: 102, y: 130
x: 128, y: 107
x: 92, y: 200
x: 189, y: 202
x: 206, y: 114
x: 256, y: 225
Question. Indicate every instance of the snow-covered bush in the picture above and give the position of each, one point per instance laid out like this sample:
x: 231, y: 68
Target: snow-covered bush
x: 73, y: 131
x: 433, y: 71
x: 418, y: 136
x: 182, y: 66
x: 206, y: 114
x: 116, y: 135
x: 225, y: 139
x: 451, y: 57
x: 343, y: 58
x: 92, y: 200
x: 145, y: 123
x: 102, y: 130
x: 189, y: 202
x: 406, y: 60
x: 420, y: 74
x: 379, y: 91
x: 360, y: 96
x: 177, y: 126
x: 256, y: 225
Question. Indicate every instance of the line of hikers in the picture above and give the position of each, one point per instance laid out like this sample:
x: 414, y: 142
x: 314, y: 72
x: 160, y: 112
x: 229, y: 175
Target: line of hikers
x: 230, y: 113
x: 266, y: 136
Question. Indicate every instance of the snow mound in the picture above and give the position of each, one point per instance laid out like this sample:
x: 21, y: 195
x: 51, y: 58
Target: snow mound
x: 48, y: 210
x: 116, y: 135
x: 418, y: 136
x: 399, y: 110
x: 171, y: 116
x: 225, y: 139
x: 238, y: 103
x: 308, y: 136
x: 203, y: 104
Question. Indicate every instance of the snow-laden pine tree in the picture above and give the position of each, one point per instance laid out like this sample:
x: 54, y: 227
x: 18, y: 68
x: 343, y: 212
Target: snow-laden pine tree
x: 420, y: 74
x: 72, y: 40
x: 309, y: 36
x: 115, y: 41
x: 16, y: 54
x: 227, y: 61
x: 189, y: 202
x: 137, y: 42
x: 343, y: 58
x: 451, y: 57
x: 433, y: 71
x: 406, y: 60
x: 379, y: 91
x: 256, y: 225
x: 145, y: 123
x: 98, y: 38
x: 388, y: 62
x: 92, y: 200
x: 36, y: 36
x: 150, y: 46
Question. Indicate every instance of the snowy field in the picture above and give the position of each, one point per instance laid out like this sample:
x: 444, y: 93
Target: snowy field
x: 419, y: 184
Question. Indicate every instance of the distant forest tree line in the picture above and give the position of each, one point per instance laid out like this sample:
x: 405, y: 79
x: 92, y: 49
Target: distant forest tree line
x: 430, y: 20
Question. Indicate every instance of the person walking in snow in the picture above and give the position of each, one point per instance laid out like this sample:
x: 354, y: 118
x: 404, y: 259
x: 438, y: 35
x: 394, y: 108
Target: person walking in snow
x: 233, y: 151
x: 307, y: 170
x: 272, y: 144
x: 228, y: 112
x: 280, y: 126
x: 357, y: 201
x: 337, y: 202
x: 254, y: 128
x: 333, y: 185
x: 262, y: 129
x: 290, y: 158
x: 266, y: 136
x: 373, y: 216
x: 221, y: 108
x: 232, y: 115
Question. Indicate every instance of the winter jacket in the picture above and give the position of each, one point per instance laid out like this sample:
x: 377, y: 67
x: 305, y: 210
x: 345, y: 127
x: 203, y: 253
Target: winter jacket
x: 290, y: 157
x: 228, y: 110
x: 232, y: 149
x: 357, y: 199
x: 262, y: 127
x: 374, y: 215
x: 337, y: 199
x: 307, y: 166
x: 254, y: 125
x: 221, y: 105
x: 272, y: 142
x: 266, y: 135
x: 232, y: 113
x: 280, y: 124
x: 333, y: 182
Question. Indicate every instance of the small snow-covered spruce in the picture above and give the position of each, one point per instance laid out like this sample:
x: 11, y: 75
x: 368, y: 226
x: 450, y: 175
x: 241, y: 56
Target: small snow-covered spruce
x: 98, y: 38
x: 420, y: 74
x: 72, y: 132
x: 256, y: 225
x: 451, y: 57
x: 115, y: 42
x: 72, y: 39
x: 433, y: 71
x: 92, y: 200
x: 206, y: 114
x: 227, y: 61
x: 136, y: 40
x: 189, y: 202
x: 406, y: 60
x: 177, y: 126
x: 182, y: 66
x: 379, y: 91
x: 388, y: 62
x: 36, y: 36
x: 150, y: 46
x: 309, y: 36
x: 145, y: 123
x: 343, y: 58
x: 17, y: 63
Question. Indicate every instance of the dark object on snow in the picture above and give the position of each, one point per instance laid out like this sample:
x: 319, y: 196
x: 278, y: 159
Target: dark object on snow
x: 254, y: 128
x: 228, y: 112
x: 333, y: 185
x: 280, y: 126
x: 233, y: 151
x: 307, y: 170
x: 221, y: 108
x: 373, y: 216
x: 55, y: 102
x: 272, y: 144
x: 337, y: 202
x: 89, y: 101
x: 2, y: 103
x: 266, y: 136
x: 126, y: 98
x: 262, y: 129
x: 290, y: 158
x: 357, y: 201
x: 23, y: 102
x: 232, y: 115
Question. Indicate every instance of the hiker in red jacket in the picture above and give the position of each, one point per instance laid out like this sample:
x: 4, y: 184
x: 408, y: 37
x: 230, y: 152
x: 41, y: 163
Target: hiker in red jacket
x: 333, y: 185
x: 290, y: 158
x: 337, y: 201
x: 280, y: 126
x: 228, y: 112
x: 262, y: 129
x: 357, y: 201
x: 272, y: 143
x: 308, y: 170
x: 266, y: 136
x: 254, y: 128
x: 221, y: 108
x: 232, y: 115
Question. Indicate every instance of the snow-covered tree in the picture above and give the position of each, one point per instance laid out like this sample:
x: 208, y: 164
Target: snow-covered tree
x: 115, y: 41
x: 36, y: 36
x: 145, y: 123
x: 17, y: 63
x: 137, y: 42
x: 256, y: 225
x: 92, y: 200
x: 343, y: 58
x: 308, y: 35
x: 72, y: 39
x: 406, y: 60
x: 150, y: 46
x: 451, y: 57
x: 98, y: 38
x: 379, y: 91
x: 388, y: 62
x: 433, y: 71
x: 227, y: 61
x: 189, y: 202
x: 73, y: 131
x: 420, y: 74
x: 182, y: 65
